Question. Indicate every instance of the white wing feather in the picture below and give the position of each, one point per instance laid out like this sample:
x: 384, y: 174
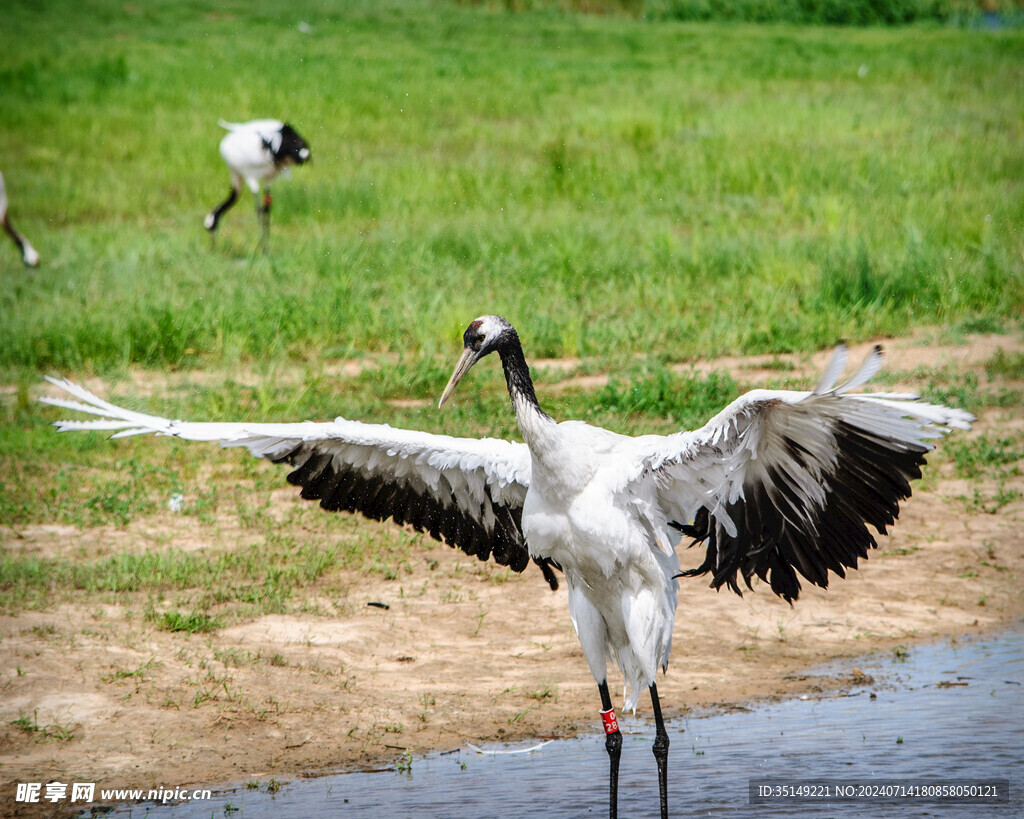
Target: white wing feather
x: 475, y: 475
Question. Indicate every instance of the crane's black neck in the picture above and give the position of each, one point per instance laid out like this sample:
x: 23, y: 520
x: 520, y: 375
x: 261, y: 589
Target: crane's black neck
x: 517, y: 373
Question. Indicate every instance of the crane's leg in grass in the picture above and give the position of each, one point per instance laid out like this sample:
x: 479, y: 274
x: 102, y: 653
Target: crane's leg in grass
x: 264, y: 214
x: 612, y: 744
x: 660, y: 751
x: 213, y: 217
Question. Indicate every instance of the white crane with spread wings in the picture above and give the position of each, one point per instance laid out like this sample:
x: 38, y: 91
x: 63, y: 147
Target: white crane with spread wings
x: 778, y: 485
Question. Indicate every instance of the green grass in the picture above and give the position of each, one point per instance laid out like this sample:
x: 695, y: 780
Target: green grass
x: 981, y: 455
x: 660, y: 398
x: 633, y: 191
x: 192, y: 623
x: 820, y: 12
x: 608, y: 184
x: 1006, y: 365
x: 237, y: 580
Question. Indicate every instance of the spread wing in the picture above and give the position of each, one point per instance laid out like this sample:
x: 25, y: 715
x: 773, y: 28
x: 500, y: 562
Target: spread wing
x: 467, y: 492
x: 784, y: 482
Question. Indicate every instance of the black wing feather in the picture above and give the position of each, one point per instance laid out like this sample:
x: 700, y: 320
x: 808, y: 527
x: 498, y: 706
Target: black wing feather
x: 775, y: 543
x: 339, y: 487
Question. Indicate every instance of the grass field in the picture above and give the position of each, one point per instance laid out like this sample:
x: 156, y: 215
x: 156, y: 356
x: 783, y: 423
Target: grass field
x: 610, y: 185
x: 629, y: 192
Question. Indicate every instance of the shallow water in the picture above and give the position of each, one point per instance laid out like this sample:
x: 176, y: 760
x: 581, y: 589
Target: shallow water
x: 947, y: 712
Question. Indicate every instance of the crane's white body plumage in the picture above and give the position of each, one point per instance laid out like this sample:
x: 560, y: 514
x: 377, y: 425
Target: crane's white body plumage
x: 611, y: 541
x: 248, y: 150
x: 256, y: 153
x: 781, y: 480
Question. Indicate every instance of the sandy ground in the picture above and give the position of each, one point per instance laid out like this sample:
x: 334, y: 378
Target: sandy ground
x: 465, y: 652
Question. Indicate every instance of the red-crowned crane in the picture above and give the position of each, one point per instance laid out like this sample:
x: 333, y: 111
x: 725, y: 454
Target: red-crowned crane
x: 28, y: 253
x: 256, y: 153
x: 779, y: 483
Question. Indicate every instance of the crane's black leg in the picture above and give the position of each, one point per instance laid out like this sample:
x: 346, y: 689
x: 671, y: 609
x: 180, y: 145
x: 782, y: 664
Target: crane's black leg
x: 612, y: 744
x: 213, y: 217
x: 660, y: 751
x: 264, y: 213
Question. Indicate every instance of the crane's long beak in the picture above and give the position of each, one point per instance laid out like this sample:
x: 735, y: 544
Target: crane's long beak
x: 468, y: 360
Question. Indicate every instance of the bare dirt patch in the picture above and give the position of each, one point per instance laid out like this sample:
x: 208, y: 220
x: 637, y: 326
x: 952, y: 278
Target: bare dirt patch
x: 463, y: 651
x: 922, y: 349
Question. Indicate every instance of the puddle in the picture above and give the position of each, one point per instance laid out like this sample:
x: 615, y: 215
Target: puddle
x: 944, y: 712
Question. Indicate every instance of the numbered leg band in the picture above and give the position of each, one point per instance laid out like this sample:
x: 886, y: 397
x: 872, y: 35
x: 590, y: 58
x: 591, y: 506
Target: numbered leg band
x: 611, y: 725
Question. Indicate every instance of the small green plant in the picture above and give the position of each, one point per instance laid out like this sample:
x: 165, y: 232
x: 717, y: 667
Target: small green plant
x: 516, y: 717
x: 236, y: 657
x: 991, y: 503
x: 545, y: 693
x: 195, y: 622
x: 427, y: 701
x: 52, y: 731
x: 137, y: 674
x: 1006, y: 365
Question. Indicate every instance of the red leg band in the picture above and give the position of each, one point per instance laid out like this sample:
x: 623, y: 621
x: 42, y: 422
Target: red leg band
x: 611, y: 725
